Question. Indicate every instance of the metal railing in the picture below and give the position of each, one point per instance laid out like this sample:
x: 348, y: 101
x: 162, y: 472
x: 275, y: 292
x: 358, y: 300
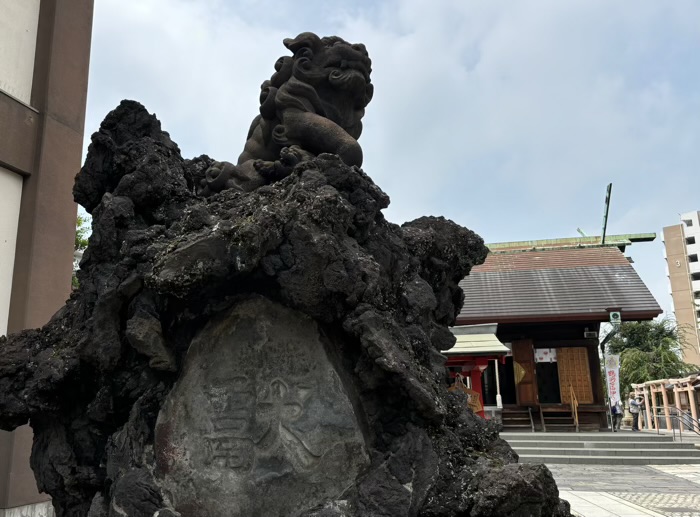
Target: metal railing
x: 532, y: 420
x: 686, y: 417
x: 544, y: 426
x: 694, y: 423
x: 677, y: 416
x: 574, y: 406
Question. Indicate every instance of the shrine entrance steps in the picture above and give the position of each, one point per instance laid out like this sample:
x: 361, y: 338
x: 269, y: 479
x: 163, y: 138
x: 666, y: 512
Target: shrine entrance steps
x: 548, y: 419
x: 603, y: 448
x: 517, y: 420
x: 560, y: 420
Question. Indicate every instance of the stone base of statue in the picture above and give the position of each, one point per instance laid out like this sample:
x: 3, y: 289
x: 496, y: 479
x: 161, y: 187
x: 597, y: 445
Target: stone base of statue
x: 265, y: 353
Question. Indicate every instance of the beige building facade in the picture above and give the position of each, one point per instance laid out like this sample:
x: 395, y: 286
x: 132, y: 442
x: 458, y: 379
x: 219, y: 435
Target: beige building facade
x: 682, y: 250
x: 44, y: 58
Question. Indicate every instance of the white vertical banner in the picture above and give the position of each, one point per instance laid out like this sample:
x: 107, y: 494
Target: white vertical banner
x: 612, y: 377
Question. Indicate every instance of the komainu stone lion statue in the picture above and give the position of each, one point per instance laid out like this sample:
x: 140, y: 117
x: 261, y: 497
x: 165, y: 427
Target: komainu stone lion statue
x: 312, y: 104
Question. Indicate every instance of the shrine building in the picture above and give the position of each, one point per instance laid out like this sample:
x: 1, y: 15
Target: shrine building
x: 533, y: 359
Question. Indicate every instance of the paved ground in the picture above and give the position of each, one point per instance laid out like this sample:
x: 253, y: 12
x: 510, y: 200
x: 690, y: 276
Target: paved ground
x: 630, y: 490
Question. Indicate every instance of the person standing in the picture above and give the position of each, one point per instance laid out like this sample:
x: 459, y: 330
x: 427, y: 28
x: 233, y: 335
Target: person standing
x: 634, y: 409
x: 616, y: 410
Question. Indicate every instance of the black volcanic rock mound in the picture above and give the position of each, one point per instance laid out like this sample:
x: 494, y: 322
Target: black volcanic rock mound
x: 163, y: 262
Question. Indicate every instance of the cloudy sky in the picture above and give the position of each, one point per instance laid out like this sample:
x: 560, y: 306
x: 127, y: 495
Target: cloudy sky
x: 509, y: 118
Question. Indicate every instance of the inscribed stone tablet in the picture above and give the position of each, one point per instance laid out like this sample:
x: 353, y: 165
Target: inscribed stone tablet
x: 259, y: 423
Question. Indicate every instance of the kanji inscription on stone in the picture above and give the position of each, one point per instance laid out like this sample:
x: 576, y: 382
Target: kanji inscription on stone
x: 258, y: 407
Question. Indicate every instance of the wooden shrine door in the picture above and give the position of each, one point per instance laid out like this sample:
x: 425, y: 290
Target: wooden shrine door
x: 574, y: 372
x: 524, y: 370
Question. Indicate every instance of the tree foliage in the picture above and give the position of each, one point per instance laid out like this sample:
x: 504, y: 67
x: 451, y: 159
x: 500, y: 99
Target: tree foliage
x: 81, y: 232
x: 82, y: 229
x: 649, y: 350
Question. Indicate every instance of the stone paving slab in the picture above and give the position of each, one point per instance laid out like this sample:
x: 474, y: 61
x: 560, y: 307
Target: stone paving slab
x: 627, y: 491
x: 600, y: 504
x: 688, y: 472
x: 624, y: 478
x: 671, y: 505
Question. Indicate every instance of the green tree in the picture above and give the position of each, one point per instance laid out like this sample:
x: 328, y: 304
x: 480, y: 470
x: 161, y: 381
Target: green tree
x: 649, y: 350
x: 81, y: 232
x: 82, y: 229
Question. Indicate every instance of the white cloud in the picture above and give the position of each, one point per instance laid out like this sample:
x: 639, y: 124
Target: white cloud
x: 509, y: 117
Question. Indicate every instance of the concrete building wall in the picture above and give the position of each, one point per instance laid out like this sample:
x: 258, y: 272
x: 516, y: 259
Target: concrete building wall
x: 44, y: 58
x: 18, y: 483
x: 19, y: 20
x: 682, y: 246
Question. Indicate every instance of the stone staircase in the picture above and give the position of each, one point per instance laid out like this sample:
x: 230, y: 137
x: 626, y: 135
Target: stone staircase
x: 561, y: 420
x: 517, y: 420
x: 555, y: 420
x: 604, y: 448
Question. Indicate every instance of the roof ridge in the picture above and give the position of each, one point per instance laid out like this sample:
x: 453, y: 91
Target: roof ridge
x: 592, y: 240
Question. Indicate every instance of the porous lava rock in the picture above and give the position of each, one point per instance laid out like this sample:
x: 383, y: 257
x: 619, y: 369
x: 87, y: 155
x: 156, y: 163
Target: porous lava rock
x: 163, y: 263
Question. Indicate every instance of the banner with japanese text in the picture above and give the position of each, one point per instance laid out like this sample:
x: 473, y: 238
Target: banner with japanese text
x: 612, y: 376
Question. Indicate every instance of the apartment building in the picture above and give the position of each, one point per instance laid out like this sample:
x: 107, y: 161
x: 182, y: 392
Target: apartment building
x: 44, y: 57
x: 682, y: 249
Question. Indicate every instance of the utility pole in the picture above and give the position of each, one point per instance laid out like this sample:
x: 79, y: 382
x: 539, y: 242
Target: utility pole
x: 605, y: 214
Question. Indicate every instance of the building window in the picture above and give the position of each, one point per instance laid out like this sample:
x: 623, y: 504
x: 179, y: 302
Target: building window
x: 690, y: 240
x: 693, y: 258
x: 695, y: 276
x: 688, y: 222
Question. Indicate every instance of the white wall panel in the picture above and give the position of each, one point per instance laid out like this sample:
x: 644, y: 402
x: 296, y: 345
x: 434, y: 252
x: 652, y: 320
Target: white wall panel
x: 10, y: 197
x: 32, y: 510
x: 18, y: 27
